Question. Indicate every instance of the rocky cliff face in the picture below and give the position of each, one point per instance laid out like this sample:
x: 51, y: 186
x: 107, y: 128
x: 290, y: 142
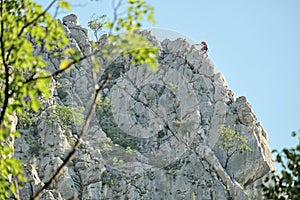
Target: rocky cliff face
x: 155, y: 138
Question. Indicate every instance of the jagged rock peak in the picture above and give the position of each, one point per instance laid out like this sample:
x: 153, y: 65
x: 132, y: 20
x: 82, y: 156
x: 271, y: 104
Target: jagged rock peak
x: 72, y: 18
x: 156, y: 138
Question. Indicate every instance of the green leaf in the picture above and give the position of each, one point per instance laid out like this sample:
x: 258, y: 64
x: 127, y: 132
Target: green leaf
x: 35, y: 104
x: 65, y: 5
x: 64, y: 64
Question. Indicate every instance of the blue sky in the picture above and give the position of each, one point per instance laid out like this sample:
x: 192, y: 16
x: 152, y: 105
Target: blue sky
x: 254, y: 43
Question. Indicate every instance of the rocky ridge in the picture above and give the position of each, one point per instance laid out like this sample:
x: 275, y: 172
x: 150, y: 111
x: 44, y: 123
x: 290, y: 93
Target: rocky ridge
x: 155, y: 138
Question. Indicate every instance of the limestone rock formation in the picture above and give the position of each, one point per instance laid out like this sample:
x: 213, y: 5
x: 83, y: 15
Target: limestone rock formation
x: 155, y: 138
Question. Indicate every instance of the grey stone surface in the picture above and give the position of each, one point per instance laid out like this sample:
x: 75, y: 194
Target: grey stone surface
x: 157, y: 136
x: 72, y: 18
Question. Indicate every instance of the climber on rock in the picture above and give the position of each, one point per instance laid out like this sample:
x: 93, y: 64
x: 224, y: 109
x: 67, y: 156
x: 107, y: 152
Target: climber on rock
x: 204, y: 47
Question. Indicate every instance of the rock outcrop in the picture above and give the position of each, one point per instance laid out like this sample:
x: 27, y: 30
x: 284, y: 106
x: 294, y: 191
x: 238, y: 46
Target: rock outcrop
x: 155, y: 138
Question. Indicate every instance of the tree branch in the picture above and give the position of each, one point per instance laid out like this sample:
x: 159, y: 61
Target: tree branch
x: 115, y: 13
x: 71, y: 154
x: 32, y: 78
x: 6, y: 68
x: 28, y: 24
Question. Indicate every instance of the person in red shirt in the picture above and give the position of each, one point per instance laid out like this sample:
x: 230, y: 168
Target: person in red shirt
x: 204, y: 47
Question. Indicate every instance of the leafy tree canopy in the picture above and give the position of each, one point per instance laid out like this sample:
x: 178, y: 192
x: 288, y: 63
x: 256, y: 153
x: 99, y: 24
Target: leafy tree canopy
x: 286, y: 184
x: 24, y: 25
x: 22, y: 22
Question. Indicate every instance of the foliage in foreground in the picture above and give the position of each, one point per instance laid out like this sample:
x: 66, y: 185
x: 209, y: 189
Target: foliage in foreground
x: 22, y: 22
x: 23, y: 77
x: 286, y: 184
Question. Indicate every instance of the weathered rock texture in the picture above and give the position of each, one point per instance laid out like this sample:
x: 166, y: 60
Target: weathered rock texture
x: 157, y: 136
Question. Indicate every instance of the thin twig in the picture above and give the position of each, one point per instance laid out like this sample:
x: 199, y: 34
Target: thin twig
x: 115, y: 14
x: 71, y: 154
x: 28, y: 24
x: 36, y: 18
x: 32, y: 78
